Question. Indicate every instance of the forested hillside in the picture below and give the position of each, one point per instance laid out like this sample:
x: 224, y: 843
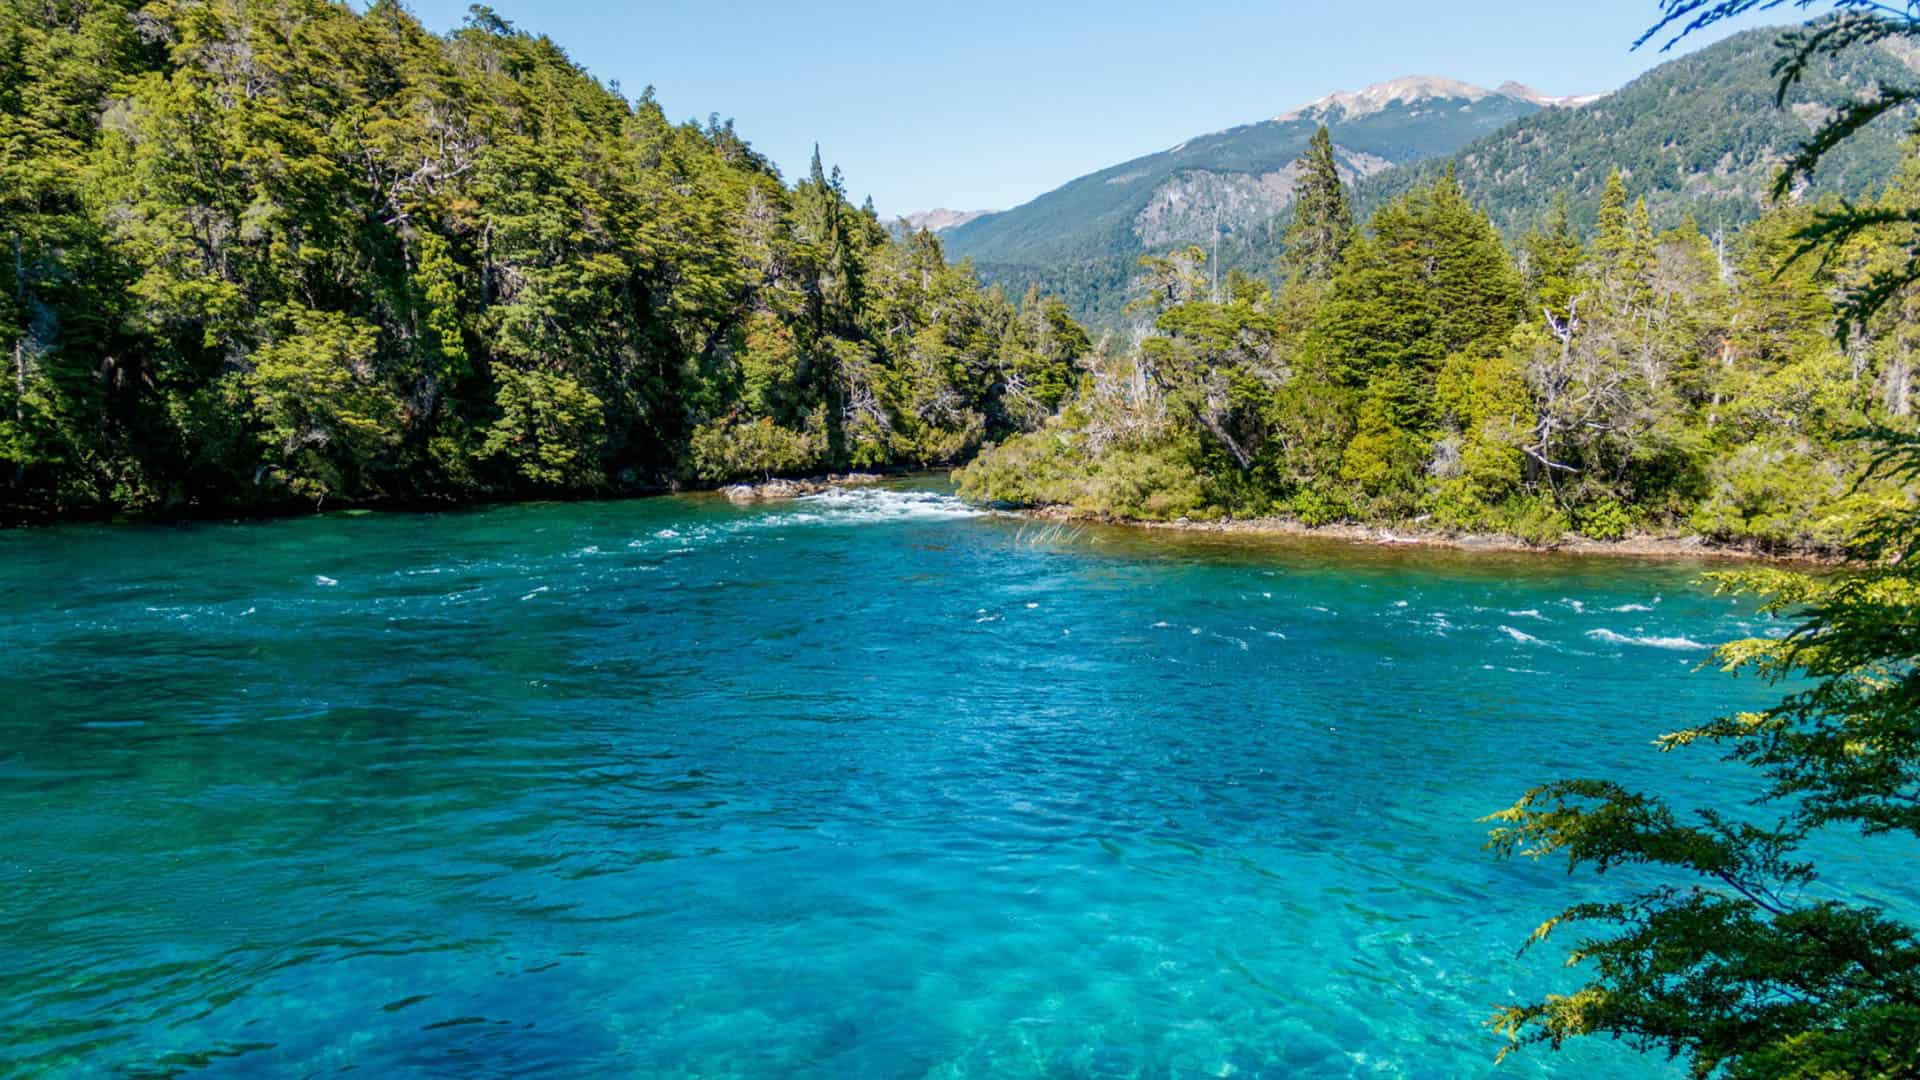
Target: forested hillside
x: 266, y: 253
x: 1080, y: 240
x: 1421, y: 371
x: 1700, y: 136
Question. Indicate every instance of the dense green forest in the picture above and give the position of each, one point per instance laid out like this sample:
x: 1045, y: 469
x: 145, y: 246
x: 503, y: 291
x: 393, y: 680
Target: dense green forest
x: 268, y: 254
x: 272, y: 253
x: 1422, y: 371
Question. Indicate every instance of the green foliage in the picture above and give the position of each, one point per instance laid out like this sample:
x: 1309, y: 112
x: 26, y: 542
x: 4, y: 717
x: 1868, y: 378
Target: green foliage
x: 1755, y: 970
x: 1147, y: 485
x: 728, y: 450
x: 323, y: 411
x: 260, y: 252
x: 1322, y: 222
x: 1317, y: 506
x: 550, y: 428
x: 1733, y: 949
x: 1534, y: 519
x: 1604, y: 519
x: 1665, y: 382
x: 1429, y: 279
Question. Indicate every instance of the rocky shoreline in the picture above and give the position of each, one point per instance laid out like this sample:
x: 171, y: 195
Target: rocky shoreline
x: 1644, y: 546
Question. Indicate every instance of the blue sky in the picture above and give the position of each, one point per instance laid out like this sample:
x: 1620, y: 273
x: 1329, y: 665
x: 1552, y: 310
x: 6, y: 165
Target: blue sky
x: 985, y: 104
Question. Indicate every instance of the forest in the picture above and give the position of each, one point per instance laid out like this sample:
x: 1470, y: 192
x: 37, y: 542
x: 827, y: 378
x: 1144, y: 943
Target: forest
x: 278, y: 255
x: 267, y: 255
x: 1599, y: 377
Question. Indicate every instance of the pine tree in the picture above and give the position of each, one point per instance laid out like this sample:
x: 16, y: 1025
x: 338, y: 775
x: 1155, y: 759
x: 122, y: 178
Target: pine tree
x: 1322, y: 218
x: 1553, y: 261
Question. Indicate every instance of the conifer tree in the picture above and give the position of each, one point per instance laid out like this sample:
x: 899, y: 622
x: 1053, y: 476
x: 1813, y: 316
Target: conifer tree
x: 1322, y: 218
x: 1553, y: 253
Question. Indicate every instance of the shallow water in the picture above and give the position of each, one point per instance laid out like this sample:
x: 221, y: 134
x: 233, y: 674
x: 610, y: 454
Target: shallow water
x: 862, y: 785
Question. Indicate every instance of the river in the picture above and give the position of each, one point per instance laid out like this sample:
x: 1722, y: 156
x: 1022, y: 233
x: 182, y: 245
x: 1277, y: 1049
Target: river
x: 868, y: 784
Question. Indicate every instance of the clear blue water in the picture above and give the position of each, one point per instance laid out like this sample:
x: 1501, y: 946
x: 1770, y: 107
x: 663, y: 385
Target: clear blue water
x: 867, y: 785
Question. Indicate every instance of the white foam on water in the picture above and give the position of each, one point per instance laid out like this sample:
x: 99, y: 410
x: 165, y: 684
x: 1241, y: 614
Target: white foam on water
x: 323, y: 580
x: 1161, y: 625
x: 1650, y: 642
x: 838, y: 506
x: 1399, y: 603
x: 882, y: 504
x: 1625, y: 609
x: 536, y: 592
x: 1521, y: 636
x: 1530, y: 613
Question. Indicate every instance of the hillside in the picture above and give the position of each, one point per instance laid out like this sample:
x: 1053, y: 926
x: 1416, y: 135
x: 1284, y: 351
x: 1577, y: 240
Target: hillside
x: 1081, y: 240
x: 1700, y: 135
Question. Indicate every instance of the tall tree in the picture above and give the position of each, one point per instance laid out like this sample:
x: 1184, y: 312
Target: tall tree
x: 1322, y: 217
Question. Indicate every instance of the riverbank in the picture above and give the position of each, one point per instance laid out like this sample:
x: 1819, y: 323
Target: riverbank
x: 1639, y: 546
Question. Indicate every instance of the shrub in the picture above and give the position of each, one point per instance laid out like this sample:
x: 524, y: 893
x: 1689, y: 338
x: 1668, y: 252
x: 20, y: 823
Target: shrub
x: 1321, y: 505
x: 730, y: 449
x: 1603, y: 519
x: 1532, y: 519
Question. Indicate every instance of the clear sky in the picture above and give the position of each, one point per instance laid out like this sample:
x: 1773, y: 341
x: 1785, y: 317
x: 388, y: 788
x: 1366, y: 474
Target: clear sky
x: 984, y: 104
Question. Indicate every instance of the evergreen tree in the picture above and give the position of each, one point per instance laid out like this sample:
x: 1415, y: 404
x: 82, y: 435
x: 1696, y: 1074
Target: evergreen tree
x: 1553, y: 256
x: 1322, y: 222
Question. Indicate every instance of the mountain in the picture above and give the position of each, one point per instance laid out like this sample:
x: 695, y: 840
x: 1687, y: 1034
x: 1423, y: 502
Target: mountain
x: 1082, y: 239
x: 1697, y: 135
x: 940, y: 220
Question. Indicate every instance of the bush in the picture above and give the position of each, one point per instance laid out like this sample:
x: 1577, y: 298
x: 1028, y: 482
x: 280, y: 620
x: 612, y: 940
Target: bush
x: 1782, y: 493
x: 1029, y: 470
x: 731, y: 449
x: 1319, y: 505
x: 1147, y: 485
x: 1603, y: 519
x: 1532, y: 519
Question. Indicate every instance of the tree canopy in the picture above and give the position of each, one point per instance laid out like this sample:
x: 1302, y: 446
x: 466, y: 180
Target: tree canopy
x: 265, y: 253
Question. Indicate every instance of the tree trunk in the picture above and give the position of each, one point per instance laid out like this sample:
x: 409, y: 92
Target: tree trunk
x: 19, y: 360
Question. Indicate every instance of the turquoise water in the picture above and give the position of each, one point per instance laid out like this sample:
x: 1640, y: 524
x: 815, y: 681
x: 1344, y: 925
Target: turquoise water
x: 865, y: 785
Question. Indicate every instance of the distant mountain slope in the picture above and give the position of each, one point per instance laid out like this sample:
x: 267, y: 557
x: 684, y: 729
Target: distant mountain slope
x: 1698, y: 135
x: 1241, y: 175
x: 1081, y: 240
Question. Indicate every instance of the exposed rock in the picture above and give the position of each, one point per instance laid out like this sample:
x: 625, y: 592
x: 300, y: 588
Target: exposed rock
x: 942, y: 219
x: 784, y: 488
